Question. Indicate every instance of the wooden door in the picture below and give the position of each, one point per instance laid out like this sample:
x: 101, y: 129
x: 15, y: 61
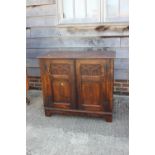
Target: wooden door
x: 61, y: 77
x: 94, y: 83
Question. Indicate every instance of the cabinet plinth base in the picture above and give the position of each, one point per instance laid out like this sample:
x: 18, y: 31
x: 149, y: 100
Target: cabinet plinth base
x: 48, y: 113
x: 106, y: 115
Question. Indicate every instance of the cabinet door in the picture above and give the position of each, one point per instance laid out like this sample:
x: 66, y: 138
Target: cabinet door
x: 62, y: 83
x: 94, y: 83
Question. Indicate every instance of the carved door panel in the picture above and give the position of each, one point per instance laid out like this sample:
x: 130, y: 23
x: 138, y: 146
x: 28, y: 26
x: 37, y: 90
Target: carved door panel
x: 62, y: 83
x: 92, y: 84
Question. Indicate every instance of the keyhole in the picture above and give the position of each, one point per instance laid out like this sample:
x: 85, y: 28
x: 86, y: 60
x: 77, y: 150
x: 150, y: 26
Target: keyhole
x: 61, y: 89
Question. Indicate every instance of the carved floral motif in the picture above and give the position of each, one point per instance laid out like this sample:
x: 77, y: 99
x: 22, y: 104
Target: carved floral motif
x: 90, y: 69
x: 60, y: 69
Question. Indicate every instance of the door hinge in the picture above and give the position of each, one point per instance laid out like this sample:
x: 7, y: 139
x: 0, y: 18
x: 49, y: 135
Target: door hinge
x: 106, y: 67
x: 47, y: 68
x: 49, y: 99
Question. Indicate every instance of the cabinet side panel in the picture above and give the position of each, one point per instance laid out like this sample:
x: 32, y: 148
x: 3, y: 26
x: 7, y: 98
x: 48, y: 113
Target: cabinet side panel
x: 46, y: 90
x: 109, y: 79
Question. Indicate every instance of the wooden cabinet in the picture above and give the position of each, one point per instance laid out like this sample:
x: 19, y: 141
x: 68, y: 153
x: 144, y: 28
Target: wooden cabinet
x: 61, y: 80
x: 78, y: 83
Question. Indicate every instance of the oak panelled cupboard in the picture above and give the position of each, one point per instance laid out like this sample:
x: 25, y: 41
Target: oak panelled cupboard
x: 78, y: 83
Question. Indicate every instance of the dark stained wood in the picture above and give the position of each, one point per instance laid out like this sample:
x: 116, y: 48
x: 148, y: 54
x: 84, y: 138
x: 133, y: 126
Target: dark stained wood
x: 60, y: 83
x: 78, y: 85
x: 106, y: 115
x: 90, y: 81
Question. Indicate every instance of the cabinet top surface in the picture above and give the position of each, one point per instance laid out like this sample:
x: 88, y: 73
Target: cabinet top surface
x: 80, y: 54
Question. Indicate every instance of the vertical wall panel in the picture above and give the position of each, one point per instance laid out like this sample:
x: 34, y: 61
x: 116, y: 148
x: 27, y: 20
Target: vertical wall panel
x: 44, y: 35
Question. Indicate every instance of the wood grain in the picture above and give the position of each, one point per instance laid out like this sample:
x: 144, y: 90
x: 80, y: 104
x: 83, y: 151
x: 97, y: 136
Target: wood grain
x: 121, y: 52
x: 41, y: 21
x: 39, y: 2
x: 77, y: 55
x: 38, y: 32
x: 41, y: 10
x: 120, y: 63
x: 78, y: 84
x: 70, y: 42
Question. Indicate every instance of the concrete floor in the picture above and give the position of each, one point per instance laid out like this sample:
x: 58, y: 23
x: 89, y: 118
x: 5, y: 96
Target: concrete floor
x: 72, y: 135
